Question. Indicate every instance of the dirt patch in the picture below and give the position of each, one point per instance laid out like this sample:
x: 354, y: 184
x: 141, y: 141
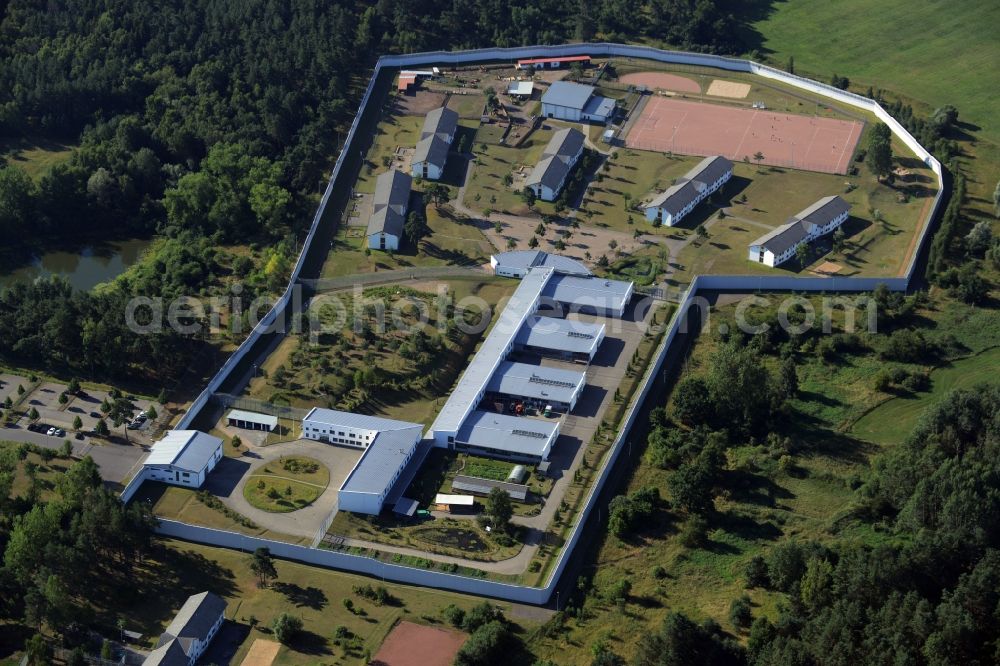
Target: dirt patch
x: 261, y: 653
x: 828, y: 268
x: 419, y: 103
x: 412, y: 644
x: 662, y: 81
x: 729, y: 89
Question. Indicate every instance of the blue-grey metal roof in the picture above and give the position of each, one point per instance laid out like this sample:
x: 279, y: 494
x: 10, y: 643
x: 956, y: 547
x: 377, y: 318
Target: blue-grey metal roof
x: 537, y: 382
x: 525, y: 259
x: 433, y: 150
x: 514, y: 434
x: 192, y: 623
x: 569, y: 335
x: 693, y: 183
x: 442, y: 121
x: 335, y: 417
x: 593, y: 292
x: 558, y: 158
x: 568, y: 94
x: 521, y: 305
x: 599, y: 106
x: 387, y: 454
x: 389, y: 204
x: 796, y: 229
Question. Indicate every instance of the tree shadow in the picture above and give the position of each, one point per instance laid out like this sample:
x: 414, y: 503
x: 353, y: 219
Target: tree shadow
x: 308, y: 597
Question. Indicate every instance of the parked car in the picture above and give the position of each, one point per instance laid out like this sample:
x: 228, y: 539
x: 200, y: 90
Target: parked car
x: 50, y: 432
x: 60, y: 432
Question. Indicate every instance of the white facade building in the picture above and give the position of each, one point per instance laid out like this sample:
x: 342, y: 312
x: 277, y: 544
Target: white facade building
x: 680, y: 199
x: 183, y: 458
x: 778, y: 246
x: 389, y: 205
x: 558, y: 159
x: 435, y: 141
x: 576, y: 103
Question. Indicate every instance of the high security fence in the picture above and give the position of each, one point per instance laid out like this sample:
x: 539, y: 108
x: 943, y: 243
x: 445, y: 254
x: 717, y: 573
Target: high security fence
x: 540, y: 595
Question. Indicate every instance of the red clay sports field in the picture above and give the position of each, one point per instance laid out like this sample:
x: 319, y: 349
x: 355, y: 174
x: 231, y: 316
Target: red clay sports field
x: 695, y: 128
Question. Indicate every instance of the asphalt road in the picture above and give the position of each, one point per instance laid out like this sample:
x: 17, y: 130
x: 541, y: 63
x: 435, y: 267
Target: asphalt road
x: 116, y: 461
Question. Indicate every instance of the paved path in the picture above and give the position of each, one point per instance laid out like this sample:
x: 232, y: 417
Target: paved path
x: 232, y: 474
x: 117, y: 462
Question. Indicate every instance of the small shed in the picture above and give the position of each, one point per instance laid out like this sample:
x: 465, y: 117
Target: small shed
x: 453, y: 503
x: 480, y: 486
x: 405, y: 507
x: 239, y: 418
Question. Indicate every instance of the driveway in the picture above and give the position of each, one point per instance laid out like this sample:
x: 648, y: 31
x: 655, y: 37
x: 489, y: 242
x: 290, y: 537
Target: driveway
x: 231, y: 475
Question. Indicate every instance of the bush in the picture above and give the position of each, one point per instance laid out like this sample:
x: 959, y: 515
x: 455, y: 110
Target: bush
x: 659, y: 573
x: 694, y: 532
x: 756, y: 572
x: 286, y: 627
x: 740, y: 613
x: 453, y: 615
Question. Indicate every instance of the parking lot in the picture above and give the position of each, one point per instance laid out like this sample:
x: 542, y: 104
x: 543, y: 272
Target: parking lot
x: 9, y: 384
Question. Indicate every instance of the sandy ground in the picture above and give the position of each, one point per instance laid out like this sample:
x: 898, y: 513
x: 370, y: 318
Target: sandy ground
x: 261, y: 653
x: 729, y: 89
x: 663, y: 81
x: 412, y: 644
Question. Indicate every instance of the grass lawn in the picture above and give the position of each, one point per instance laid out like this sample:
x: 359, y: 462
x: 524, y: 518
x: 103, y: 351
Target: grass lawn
x: 451, y: 241
x: 467, y: 106
x: 287, y: 484
x: 919, y: 60
x: 393, y: 131
x: 184, y: 504
x: 34, y: 155
x: 314, y: 594
x: 485, y: 468
x: 493, y: 164
x: 891, y: 422
x: 872, y: 247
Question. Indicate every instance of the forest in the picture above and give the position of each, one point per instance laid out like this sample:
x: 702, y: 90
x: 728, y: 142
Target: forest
x: 219, y: 122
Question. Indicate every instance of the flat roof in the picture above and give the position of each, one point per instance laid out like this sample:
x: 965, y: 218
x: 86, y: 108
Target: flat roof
x: 351, y: 420
x: 520, y: 88
x: 527, y: 259
x: 475, y: 484
x: 599, y: 106
x: 521, y: 305
x: 385, y: 456
x: 457, y: 500
x: 570, y: 95
x: 538, y: 61
x: 252, y: 417
x: 538, y: 382
x: 588, y: 291
x: 185, y: 449
x: 513, y: 434
x: 561, y: 334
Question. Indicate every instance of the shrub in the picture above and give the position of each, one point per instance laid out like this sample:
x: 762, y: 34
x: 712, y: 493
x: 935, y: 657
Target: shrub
x: 694, y: 532
x: 453, y: 615
x: 740, y: 613
x: 756, y: 572
x: 286, y: 627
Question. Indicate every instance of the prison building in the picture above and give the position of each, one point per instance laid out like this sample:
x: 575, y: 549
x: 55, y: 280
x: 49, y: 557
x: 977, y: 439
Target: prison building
x: 779, y: 245
x: 239, y: 418
x: 478, y: 486
x: 551, y: 63
x: 183, y: 458
x: 538, y: 385
x: 592, y: 295
x: 517, y: 263
x: 576, y: 103
x: 347, y: 428
x: 564, y: 339
x: 389, y: 206
x: 436, y: 138
x: 499, y: 343
x: 366, y: 489
x: 673, y: 205
x: 508, y: 437
x: 190, y: 632
x: 558, y: 159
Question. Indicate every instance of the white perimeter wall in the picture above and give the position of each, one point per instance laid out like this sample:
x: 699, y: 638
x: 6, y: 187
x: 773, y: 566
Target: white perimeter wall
x: 714, y: 282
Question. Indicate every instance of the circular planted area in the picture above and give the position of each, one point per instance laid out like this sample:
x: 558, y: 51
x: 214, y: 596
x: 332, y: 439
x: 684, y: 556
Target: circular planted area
x: 286, y: 484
